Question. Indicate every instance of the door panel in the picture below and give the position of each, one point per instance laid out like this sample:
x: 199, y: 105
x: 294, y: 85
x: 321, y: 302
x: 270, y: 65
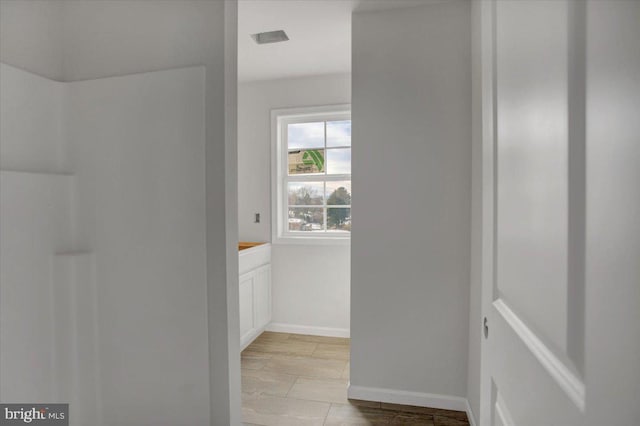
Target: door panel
x: 560, y: 204
x: 502, y: 416
x: 532, y: 160
x: 536, y: 387
x: 535, y: 370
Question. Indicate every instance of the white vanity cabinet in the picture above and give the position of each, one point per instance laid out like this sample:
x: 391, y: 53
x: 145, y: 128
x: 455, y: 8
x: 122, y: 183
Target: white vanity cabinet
x: 255, y: 292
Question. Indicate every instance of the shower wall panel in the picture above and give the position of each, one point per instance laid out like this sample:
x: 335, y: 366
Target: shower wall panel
x: 103, y: 256
x: 138, y: 148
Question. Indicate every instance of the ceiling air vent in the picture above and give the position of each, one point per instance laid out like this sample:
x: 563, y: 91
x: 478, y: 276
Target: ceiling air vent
x: 270, y: 37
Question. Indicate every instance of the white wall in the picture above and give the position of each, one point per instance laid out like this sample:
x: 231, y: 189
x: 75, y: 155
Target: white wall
x: 107, y: 38
x: 412, y: 176
x: 316, y: 303
x: 31, y: 36
x: 321, y: 301
x: 475, y: 293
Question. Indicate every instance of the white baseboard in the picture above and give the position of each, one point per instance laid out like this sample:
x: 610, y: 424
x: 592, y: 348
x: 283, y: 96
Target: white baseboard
x: 470, y: 416
x: 418, y: 399
x: 307, y: 329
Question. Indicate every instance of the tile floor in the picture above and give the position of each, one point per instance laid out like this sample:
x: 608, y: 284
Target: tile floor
x: 298, y: 380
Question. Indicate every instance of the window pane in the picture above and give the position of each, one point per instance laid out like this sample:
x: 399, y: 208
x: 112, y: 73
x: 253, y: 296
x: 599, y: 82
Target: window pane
x: 306, y: 161
x: 339, y: 193
x: 305, y: 194
x: 305, y: 135
x: 338, y: 219
x: 339, y: 161
x: 306, y: 219
x: 339, y: 133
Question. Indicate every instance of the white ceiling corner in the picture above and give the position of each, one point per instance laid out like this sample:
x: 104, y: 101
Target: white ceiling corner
x: 319, y: 32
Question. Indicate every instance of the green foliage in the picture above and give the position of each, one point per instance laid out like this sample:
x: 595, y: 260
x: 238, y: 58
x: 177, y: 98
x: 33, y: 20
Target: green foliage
x: 337, y: 217
x: 339, y: 197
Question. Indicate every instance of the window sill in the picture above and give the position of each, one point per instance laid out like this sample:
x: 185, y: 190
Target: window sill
x: 312, y: 241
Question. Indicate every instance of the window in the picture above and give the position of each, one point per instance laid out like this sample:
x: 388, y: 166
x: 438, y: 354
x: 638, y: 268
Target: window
x: 312, y: 174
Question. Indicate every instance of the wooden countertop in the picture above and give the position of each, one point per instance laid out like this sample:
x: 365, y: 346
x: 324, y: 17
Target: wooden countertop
x: 247, y: 245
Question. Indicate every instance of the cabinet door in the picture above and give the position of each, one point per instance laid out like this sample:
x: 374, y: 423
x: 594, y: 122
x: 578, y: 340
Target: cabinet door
x: 262, y: 296
x: 247, y: 320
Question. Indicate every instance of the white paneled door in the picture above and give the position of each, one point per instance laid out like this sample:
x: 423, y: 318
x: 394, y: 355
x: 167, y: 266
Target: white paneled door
x: 547, y: 358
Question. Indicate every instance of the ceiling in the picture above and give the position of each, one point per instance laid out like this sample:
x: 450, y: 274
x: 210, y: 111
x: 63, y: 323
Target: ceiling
x: 319, y: 32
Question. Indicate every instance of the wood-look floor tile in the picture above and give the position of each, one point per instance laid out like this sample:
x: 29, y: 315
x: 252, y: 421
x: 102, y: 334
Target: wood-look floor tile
x: 411, y: 419
x: 272, y: 336
x: 324, y: 390
x: 407, y: 408
x: 283, y: 347
x: 341, y: 414
x: 448, y: 421
x: 320, y: 339
x: 254, y: 360
x: 331, y: 351
x: 457, y: 415
x: 362, y: 403
x: 306, y: 367
x: 266, y: 382
x: 297, y: 380
x: 276, y: 411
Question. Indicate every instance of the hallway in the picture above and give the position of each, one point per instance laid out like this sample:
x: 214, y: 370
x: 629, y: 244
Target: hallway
x: 449, y: 188
x: 294, y: 379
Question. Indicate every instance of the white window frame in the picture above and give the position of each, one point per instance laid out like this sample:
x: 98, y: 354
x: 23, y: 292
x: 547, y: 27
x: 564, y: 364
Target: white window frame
x: 280, y: 233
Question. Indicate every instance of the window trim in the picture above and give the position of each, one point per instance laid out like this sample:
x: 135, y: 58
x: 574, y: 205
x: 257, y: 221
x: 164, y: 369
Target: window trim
x: 279, y: 117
